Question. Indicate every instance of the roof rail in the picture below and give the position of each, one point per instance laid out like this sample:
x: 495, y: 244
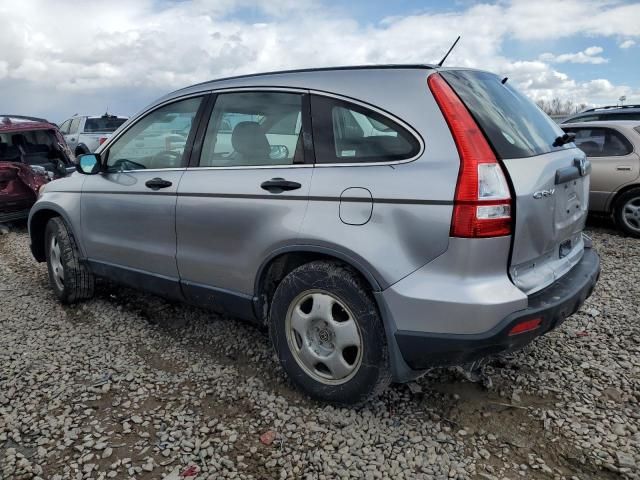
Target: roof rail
x: 608, y: 107
x: 22, y: 117
x: 389, y: 66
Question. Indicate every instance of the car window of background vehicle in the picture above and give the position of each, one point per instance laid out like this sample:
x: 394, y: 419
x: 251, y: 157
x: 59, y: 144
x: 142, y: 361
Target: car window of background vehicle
x: 74, y: 125
x: 64, y: 128
x: 601, y: 142
x: 103, y: 124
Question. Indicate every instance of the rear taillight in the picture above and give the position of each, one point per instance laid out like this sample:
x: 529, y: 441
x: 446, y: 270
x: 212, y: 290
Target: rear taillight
x: 102, y: 140
x: 482, y: 203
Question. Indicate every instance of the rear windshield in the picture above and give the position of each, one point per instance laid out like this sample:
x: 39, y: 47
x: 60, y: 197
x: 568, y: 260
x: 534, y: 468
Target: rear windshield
x: 103, y: 124
x: 514, y: 125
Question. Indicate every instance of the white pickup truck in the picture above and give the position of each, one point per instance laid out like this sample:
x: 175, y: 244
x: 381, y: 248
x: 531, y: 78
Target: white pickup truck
x: 84, y: 133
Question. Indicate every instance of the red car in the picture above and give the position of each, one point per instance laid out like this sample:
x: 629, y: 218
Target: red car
x: 32, y: 153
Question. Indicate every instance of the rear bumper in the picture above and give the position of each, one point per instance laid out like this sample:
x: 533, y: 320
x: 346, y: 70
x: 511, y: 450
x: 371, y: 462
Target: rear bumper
x: 421, y: 350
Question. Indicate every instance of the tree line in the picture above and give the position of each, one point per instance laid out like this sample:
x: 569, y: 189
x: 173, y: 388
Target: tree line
x: 556, y: 106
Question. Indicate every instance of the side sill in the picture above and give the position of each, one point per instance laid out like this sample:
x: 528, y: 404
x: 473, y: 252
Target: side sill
x: 234, y: 303
x: 167, y: 287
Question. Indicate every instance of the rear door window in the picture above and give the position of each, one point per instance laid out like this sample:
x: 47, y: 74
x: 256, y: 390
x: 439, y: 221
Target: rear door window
x: 601, y: 142
x: 513, y: 124
x: 344, y: 132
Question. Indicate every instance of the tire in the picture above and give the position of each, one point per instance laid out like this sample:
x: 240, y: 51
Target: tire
x: 328, y: 334
x: 627, y: 212
x: 75, y: 282
x: 82, y: 151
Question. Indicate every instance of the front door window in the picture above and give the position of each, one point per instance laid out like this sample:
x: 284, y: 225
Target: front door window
x: 156, y: 141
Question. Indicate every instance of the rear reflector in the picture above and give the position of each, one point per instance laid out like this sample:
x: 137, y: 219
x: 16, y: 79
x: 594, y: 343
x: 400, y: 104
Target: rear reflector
x: 482, y: 203
x: 102, y: 140
x: 526, y: 326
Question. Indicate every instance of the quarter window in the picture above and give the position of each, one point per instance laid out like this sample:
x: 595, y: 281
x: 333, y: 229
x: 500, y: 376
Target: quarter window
x: 601, y: 142
x: 253, y: 129
x: 158, y: 140
x: 348, y: 133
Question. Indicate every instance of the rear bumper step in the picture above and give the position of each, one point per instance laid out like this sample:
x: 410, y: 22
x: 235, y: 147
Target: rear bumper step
x: 552, y: 305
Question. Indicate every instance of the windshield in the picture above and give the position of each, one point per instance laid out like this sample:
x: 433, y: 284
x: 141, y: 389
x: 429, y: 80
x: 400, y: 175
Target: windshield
x: 103, y: 124
x: 513, y: 124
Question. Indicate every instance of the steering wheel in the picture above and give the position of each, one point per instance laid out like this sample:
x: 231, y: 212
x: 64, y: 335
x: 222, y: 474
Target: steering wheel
x: 166, y: 159
x: 126, y: 164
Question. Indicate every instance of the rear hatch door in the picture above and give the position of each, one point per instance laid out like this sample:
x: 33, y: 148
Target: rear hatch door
x: 550, y: 182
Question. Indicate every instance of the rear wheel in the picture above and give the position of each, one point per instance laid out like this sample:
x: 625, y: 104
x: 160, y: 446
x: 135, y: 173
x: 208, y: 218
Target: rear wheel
x: 328, y: 334
x: 70, y: 280
x: 627, y: 212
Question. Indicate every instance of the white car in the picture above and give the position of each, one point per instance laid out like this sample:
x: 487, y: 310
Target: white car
x: 85, y: 133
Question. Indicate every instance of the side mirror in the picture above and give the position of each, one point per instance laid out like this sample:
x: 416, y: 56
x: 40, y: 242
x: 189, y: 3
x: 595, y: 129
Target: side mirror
x: 89, y: 164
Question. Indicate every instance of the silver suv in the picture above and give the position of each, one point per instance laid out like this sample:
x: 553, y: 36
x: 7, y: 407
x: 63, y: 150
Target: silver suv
x: 380, y: 221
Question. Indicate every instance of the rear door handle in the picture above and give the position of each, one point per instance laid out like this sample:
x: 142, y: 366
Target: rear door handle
x: 278, y: 185
x: 158, y: 183
x: 624, y: 168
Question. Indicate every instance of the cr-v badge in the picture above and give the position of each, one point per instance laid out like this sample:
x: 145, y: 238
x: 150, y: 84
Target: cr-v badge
x: 543, y: 193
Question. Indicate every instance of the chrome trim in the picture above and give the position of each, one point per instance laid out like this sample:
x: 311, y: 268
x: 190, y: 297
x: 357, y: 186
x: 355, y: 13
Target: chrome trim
x: 253, y: 167
x: 172, y: 169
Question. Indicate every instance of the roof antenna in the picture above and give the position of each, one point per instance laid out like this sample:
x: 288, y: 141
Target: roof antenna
x: 445, y: 57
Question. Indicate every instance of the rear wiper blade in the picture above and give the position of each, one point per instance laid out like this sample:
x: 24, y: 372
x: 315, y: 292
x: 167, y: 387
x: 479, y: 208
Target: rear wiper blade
x: 564, y: 139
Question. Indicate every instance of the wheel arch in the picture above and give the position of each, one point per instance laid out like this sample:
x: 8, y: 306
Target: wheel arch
x: 282, y: 261
x: 616, y: 196
x: 37, y: 226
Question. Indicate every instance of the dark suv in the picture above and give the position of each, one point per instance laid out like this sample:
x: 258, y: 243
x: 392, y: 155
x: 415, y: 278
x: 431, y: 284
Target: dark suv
x: 610, y: 112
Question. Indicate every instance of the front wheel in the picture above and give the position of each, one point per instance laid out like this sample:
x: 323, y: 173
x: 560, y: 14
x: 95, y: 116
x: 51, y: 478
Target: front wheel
x: 70, y: 279
x: 328, y: 334
x: 627, y: 212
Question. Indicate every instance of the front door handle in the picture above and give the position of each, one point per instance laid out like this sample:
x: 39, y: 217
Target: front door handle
x: 279, y: 185
x: 157, y: 183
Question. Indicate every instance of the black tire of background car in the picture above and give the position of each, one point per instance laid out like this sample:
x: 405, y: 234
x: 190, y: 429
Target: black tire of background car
x: 81, y: 150
x: 374, y: 374
x: 617, y: 211
x: 79, y: 281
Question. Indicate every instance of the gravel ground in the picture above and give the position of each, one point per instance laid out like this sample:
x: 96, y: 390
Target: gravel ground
x: 128, y: 385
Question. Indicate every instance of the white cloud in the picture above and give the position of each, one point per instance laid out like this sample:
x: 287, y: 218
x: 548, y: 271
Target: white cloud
x: 627, y: 44
x: 88, y: 53
x: 588, y: 55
